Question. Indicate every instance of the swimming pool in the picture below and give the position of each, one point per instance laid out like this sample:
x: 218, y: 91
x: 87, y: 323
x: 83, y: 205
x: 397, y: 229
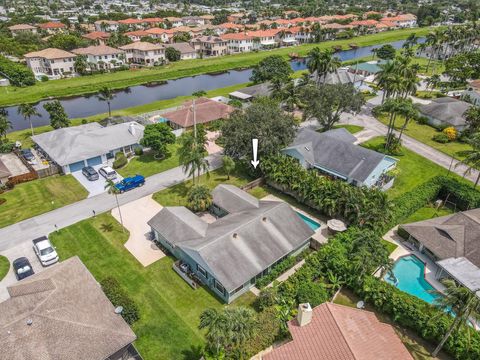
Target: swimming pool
x: 409, y: 272
x: 310, y: 222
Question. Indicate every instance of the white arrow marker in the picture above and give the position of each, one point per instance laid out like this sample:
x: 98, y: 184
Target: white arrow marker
x: 255, y: 162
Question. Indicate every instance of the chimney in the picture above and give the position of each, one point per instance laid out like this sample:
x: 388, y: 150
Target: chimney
x: 131, y: 128
x: 304, y: 315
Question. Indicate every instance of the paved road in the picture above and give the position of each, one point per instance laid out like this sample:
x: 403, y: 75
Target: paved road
x: 44, y: 224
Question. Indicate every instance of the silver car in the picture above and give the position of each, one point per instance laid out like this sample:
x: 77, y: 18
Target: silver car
x: 108, y: 173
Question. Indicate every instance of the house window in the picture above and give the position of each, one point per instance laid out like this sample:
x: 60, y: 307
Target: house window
x: 202, y: 271
x: 237, y: 289
x: 219, y: 287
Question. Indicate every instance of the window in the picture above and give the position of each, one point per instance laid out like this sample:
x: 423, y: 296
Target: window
x: 202, y: 271
x: 219, y: 287
x: 237, y: 289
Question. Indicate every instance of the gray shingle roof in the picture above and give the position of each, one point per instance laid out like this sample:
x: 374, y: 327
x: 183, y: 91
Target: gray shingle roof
x: 262, y: 89
x: 341, y: 76
x: 183, y: 47
x: 243, y: 243
x: 71, y: 317
x: 232, y: 199
x: 446, y: 109
x: 334, y: 151
x: 72, y: 144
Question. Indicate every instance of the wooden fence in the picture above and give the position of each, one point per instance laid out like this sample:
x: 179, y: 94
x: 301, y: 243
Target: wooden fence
x: 18, y: 179
x: 253, y: 184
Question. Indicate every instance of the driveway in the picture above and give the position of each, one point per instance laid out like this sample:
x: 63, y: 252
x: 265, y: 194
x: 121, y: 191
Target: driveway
x: 93, y: 187
x: 135, y: 216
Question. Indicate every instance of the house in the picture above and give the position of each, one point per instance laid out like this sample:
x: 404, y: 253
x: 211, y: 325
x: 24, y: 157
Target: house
x: 52, y: 27
x: 90, y: 144
x: 187, y: 52
x: 206, y: 110
x: 152, y: 22
x: 97, y: 37
x: 137, y: 35
x: 175, y: 21
x: 335, y: 154
x: 22, y: 28
x: 210, y: 45
x: 237, y: 18
x: 106, y: 25
x: 368, y: 68
x: 340, y: 76
x: 4, y: 173
x: 132, y: 23
x: 144, y: 53
x: 472, y: 93
x: 102, y: 56
x: 240, y: 42
x: 267, y: 38
x: 446, y: 111
x: 62, y: 313
x: 193, y: 21
x: 159, y: 33
x: 402, y: 20
x: 246, y: 238
x: 333, y: 331
x: 54, y: 63
x: 251, y: 92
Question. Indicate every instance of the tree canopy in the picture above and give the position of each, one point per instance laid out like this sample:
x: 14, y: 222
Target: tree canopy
x: 157, y: 137
x: 58, y: 116
x: 270, y: 68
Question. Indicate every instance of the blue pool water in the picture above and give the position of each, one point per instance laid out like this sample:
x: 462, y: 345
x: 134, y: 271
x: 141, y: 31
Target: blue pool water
x: 312, y: 223
x: 409, y: 272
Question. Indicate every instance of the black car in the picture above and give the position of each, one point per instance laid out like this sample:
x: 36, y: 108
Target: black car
x: 28, y: 155
x: 90, y: 173
x: 22, y: 268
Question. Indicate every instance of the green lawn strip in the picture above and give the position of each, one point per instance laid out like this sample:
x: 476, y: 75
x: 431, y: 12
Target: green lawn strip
x: 39, y: 196
x: 90, y: 84
x: 389, y: 245
x: 428, y: 212
x: 147, y: 165
x: 414, y: 169
x: 425, y: 133
x: 352, y: 129
x: 4, y: 266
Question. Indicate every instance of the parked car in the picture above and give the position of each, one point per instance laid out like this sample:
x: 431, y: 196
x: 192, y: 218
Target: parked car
x: 28, y: 155
x: 108, y: 173
x: 45, y: 251
x: 90, y: 173
x: 130, y: 183
x: 22, y: 268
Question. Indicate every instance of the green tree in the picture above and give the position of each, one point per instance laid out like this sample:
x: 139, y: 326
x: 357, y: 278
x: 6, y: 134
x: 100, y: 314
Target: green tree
x: 472, y: 117
x: 181, y: 37
x: 157, y: 137
x: 107, y: 95
x: 192, y: 152
x: 321, y: 63
x: 433, y: 82
x: 228, y: 165
x: 27, y: 111
x: 386, y: 52
x: 66, y: 41
x: 199, y: 198
x: 287, y: 93
x: 112, y: 189
x: 5, y: 125
x: 80, y: 65
x: 272, y: 67
x: 471, y: 158
x: 172, y: 54
x: 58, y: 116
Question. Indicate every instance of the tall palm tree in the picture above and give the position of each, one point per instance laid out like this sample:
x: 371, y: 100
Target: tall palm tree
x: 433, y: 82
x: 192, y: 153
x: 472, y: 157
x: 27, y: 111
x: 463, y: 302
x: 112, y: 189
x: 107, y: 95
x: 5, y: 125
x: 322, y: 62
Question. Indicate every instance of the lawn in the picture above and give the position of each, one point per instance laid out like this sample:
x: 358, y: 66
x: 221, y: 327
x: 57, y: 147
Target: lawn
x: 169, y: 308
x: 352, y: 129
x: 147, y: 165
x: 39, y: 196
x: 90, y: 84
x: 389, y: 245
x: 4, y: 267
x: 414, y: 169
x: 428, y: 212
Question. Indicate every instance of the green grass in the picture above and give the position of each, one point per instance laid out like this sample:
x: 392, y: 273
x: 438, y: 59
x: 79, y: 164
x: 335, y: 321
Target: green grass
x: 147, y: 165
x: 352, y: 129
x: 389, y: 245
x: 169, y: 308
x: 428, y: 212
x: 425, y: 133
x: 4, y: 267
x: 39, y: 196
x: 90, y: 84
x: 414, y: 169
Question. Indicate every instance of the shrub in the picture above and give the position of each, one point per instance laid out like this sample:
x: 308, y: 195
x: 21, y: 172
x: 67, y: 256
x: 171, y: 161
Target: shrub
x: 44, y: 78
x: 138, y: 151
x: 118, y: 297
x: 3, y: 201
x: 18, y: 74
x: 120, y: 160
x: 441, y: 138
x: 451, y: 133
x: 6, y: 147
x: 267, y: 331
x: 422, y: 120
x: 280, y: 268
x: 312, y: 292
x: 199, y: 198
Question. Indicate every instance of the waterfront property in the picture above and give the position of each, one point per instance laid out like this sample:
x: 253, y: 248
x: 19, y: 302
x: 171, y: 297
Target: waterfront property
x: 89, y: 144
x: 446, y: 111
x: 186, y: 50
x: 252, y: 92
x: 335, y: 154
x: 340, y: 76
x: 240, y: 240
x: 54, y: 63
x: 144, y: 53
x: 102, y: 57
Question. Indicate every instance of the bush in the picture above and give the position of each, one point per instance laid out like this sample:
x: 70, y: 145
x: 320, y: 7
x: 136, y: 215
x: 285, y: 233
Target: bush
x: 267, y: 331
x: 118, y: 297
x: 3, y: 201
x: 199, y: 198
x: 138, y: 151
x: 18, y: 74
x: 441, y: 138
x: 44, y: 78
x: 422, y: 120
x: 312, y: 292
x: 280, y: 268
x: 451, y: 133
x: 6, y: 147
x: 120, y: 160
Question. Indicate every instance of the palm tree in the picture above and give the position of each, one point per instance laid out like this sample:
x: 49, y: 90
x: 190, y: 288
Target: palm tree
x: 112, y: 189
x: 106, y: 94
x: 5, y: 124
x: 192, y: 153
x: 322, y: 62
x: 472, y: 157
x: 408, y: 111
x: 27, y: 111
x: 433, y: 82
x: 463, y: 302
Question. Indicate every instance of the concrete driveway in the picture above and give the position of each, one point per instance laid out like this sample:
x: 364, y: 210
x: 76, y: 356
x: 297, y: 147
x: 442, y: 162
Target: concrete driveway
x: 135, y: 216
x: 94, y: 187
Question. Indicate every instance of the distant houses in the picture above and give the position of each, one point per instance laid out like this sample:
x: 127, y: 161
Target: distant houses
x: 445, y: 112
x: 54, y: 63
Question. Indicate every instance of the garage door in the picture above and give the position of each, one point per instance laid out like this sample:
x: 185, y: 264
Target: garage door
x: 95, y: 161
x: 76, y: 166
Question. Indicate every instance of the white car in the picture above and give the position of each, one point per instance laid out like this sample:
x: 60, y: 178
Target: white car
x: 108, y: 173
x: 45, y: 251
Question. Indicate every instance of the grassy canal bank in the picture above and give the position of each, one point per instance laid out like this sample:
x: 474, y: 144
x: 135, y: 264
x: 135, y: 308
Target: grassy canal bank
x: 90, y: 84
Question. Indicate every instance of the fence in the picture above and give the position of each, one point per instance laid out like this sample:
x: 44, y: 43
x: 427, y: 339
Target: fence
x: 51, y: 170
x: 253, y: 184
x: 18, y: 179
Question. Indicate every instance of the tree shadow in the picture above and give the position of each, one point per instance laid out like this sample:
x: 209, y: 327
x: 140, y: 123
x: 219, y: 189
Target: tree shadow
x: 194, y: 353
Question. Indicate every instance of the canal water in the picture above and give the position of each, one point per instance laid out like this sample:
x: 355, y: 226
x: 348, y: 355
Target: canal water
x: 88, y: 105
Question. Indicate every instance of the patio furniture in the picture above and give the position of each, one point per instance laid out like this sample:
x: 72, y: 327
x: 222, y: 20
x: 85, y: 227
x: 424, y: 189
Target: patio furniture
x: 336, y: 226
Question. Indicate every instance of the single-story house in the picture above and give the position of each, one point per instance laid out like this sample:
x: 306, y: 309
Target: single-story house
x: 62, y: 313
x: 206, y: 110
x: 446, y: 111
x: 340, y: 76
x: 247, y: 238
x: 367, y: 68
x: 4, y: 173
x: 334, y: 153
x: 332, y: 331
x: 251, y: 92
x: 90, y: 144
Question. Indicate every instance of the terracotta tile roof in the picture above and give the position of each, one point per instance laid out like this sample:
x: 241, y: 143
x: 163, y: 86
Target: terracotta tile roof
x: 369, y: 23
x: 338, y: 332
x: 237, y: 36
x: 139, y: 33
x: 400, y: 18
x: 96, y: 35
x: 21, y: 27
x: 264, y: 33
x: 153, y: 20
x: 230, y: 26
x: 157, y: 31
x: 142, y: 46
x: 97, y: 50
x: 336, y: 26
x: 130, y: 21
x: 108, y: 22
x: 52, y: 25
x: 50, y: 53
x: 475, y: 84
x: 206, y: 110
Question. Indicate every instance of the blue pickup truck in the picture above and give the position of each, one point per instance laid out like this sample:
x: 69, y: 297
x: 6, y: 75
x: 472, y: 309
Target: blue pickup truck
x: 130, y: 183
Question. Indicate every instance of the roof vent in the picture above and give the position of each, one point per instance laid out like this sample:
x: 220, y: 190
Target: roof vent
x: 29, y: 322
x: 264, y: 219
x: 131, y: 128
x: 235, y: 235
x: 305, y: 313
x: 118, y: 310
x: 307, y: 148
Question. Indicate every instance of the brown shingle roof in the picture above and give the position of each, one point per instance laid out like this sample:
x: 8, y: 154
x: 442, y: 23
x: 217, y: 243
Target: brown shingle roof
x: 338, y: 332
x: 97, y: 50
x: 21, y: 27
x: 50, y: 53
x: 71, y: 317
x: 142, y: 46
x: 206, y: 110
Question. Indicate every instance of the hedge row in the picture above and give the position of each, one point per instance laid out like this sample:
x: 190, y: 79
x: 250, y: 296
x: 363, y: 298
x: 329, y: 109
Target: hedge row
x: 18, y: 74
x: 118, y: 297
